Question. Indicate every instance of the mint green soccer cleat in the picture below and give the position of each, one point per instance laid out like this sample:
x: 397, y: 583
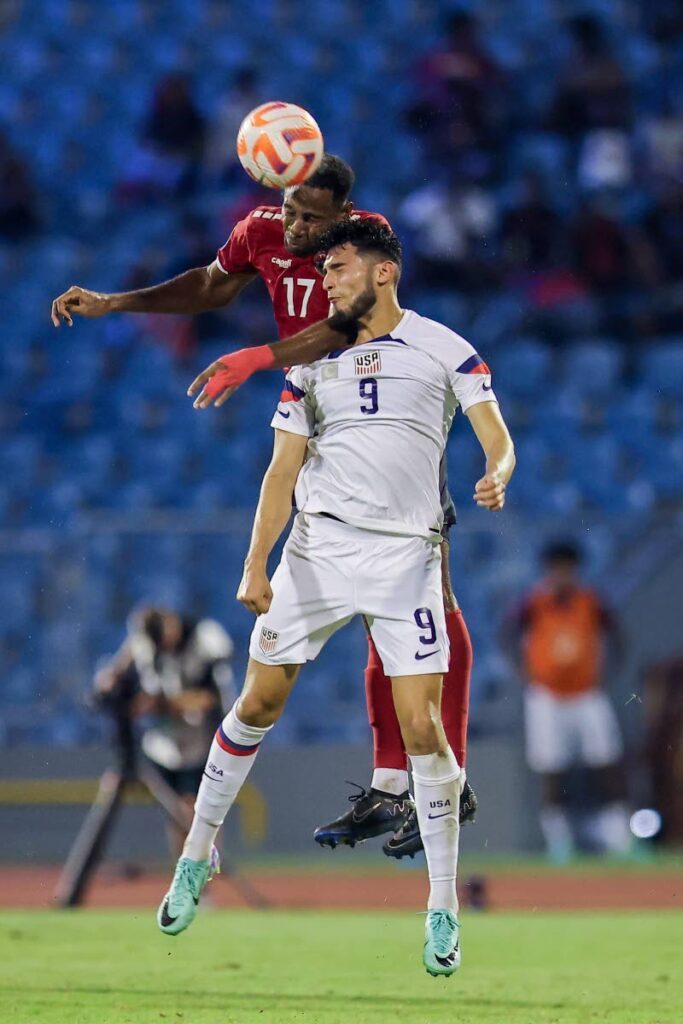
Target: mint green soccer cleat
x: 441, y: 953
x: 179, y: 905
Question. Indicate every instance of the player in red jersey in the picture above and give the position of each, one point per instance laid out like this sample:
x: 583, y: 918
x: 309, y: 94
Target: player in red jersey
x: 279, y: 244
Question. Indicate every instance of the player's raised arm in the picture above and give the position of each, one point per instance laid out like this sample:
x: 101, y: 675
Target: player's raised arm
x: 195, y: 291
x: 494, y: 437
x: 272, y: 515
x: 220, y: 380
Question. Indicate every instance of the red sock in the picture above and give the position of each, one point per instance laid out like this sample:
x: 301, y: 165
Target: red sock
x: 386, y: 732
x: 455, y: 699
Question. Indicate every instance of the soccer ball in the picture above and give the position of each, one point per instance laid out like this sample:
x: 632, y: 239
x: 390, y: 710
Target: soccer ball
x: 279, y: 144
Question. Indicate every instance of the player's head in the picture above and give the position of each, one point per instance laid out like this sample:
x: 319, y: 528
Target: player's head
x: 561, y: 560
x: 362, y: 264
x: 162, y: 627
x: 308, y: 210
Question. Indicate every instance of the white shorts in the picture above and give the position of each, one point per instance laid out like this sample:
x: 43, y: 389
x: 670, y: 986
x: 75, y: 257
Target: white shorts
x: 565, y: 731
x: 330, y: 572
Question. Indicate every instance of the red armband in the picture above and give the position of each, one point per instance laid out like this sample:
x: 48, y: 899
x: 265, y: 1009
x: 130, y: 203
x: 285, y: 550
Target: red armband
x: 238, y: 367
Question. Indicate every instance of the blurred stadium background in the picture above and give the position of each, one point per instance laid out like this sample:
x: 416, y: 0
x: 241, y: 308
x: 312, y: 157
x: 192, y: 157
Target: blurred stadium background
x: 539, y: 192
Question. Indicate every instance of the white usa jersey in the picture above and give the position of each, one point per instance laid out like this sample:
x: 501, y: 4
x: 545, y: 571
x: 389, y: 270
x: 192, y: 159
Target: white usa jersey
x: 378, y: 416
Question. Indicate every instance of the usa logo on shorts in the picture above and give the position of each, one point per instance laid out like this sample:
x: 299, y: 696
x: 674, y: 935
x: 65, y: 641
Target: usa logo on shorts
x: 268, y: 641
x: 367, y: 363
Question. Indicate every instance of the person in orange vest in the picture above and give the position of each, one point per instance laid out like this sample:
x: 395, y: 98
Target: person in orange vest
x: 560, y: 632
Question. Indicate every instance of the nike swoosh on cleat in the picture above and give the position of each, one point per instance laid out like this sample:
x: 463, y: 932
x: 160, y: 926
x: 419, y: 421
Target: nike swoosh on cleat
x: 421, y: 657
x: 365, y: 814
x: 166, y: 920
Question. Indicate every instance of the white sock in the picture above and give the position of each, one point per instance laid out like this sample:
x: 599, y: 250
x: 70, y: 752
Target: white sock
x: 232, y: 754
x: 613, y: 828
x: 437, y: 783
x: 390, y: 780
x: 557, y: 832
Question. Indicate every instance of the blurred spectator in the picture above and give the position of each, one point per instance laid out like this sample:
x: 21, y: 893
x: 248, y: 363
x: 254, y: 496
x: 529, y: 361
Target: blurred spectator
x: 663, y: 147
x: 557, y: 636
x: 604, y: 247
x: 605, y: 160
x: 593, y: 91
x: 167, y: 160
x: 460, y: 85
x: 178, y: 671
x: 532, y: 234
x: 18, y: 201
x: 244, y: 94
x: 450, y: 224
x: 175, y: 126
x: 663, y: 228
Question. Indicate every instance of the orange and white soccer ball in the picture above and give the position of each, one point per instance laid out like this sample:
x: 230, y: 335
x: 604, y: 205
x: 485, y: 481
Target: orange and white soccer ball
x: 279, y: 144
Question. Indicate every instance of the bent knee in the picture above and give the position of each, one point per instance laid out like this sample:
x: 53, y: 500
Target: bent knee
x: 258, y: 710
x: 422, y: 734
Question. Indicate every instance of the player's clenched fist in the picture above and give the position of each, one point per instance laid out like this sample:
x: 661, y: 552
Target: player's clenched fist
x: 489, y: 493
x: 80, y: 301
x: 254, y: 591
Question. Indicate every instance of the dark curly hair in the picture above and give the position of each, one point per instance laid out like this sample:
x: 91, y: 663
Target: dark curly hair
x: 561, y: 551
x: 367, y: 235
x: 333, y: 174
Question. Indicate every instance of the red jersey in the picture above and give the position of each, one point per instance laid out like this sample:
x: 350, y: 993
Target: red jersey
x: 257, y: 245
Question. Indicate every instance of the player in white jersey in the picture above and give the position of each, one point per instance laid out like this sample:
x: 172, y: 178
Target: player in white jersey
x: 359, y: 436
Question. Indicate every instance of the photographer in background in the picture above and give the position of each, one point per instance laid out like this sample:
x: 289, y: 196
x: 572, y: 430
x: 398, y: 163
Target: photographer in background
x: 172, y: 673
x: 558, y: 637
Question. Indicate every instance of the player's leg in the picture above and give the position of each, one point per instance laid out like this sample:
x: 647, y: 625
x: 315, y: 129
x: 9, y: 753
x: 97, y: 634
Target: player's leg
x: 408, y: 624
x: 549, y: 736
x: 437, y: 782
x: 456, y: 684
x: 311, y: 599
x: 390, y: 773
x: 406, y: 842
x: 455, y: 700
x: 602, y: 753
x: 377, y: 810
x: 554, y: 818
x: 230, y: 760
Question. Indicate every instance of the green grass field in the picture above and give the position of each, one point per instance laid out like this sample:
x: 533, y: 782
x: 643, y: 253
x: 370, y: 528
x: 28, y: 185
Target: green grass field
x: 338, y: 968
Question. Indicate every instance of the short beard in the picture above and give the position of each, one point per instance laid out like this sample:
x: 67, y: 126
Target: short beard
x: 362, y: 304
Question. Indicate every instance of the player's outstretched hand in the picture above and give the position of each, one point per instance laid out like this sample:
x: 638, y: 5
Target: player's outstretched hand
x: 220, y: 380
x: 489, y: 493
x: 254, y: 591
x: 214, y: 382
x: 80, y: 301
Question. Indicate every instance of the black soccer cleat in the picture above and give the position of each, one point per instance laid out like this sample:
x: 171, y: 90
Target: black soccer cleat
x: 373, y: 814
x: 407, y: 841
x: 468, y: 804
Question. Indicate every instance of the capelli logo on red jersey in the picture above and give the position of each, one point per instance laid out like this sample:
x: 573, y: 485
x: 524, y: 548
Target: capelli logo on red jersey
x: 367, y: 363
x: 285, y: 264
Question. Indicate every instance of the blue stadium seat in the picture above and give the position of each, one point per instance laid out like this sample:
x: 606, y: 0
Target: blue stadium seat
x: 593, y: 367
x: 522, y: 368
x: 660, y: 366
